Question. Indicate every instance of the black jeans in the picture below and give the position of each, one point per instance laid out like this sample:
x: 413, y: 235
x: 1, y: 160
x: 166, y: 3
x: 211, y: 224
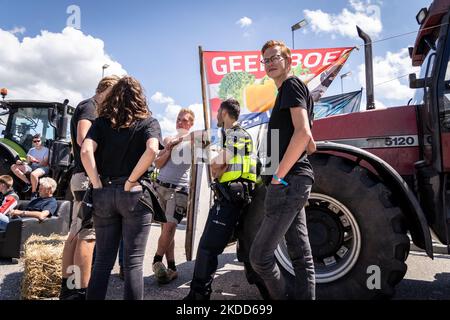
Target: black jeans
x: 222, y: 220
x: 285, y: 217
x: 119, y: 214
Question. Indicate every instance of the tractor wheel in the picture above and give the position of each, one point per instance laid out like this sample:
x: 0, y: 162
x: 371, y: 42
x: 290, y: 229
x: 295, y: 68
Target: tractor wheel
x: 5, y: 163
x: 357, y: 233
x: 355, y: 229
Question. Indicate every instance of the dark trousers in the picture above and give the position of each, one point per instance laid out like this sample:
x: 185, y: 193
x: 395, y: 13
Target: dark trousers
x: 285, y: 217
x: 119, y: 214
x: 222, y: 220
x: 121, y: 254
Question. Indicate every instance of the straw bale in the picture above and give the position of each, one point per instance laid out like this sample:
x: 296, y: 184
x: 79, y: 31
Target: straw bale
x: 42, y: 267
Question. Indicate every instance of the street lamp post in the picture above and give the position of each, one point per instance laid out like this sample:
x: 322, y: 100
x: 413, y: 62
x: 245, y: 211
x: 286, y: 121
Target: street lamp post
x: 105, y: 66
x: 342, y: 81
x: 295, y: 27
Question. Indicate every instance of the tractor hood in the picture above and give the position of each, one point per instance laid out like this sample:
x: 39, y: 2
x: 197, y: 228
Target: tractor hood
x: 389, y: 133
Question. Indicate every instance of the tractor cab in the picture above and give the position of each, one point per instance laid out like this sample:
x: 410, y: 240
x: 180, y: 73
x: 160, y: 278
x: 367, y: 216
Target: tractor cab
x: 22, y: 119
x: 432, y: 53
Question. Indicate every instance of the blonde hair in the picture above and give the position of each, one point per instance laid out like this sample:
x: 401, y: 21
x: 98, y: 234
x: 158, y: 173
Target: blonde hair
x: 106, y: 82
x: 48, y: 183
x: 285, y: 51
x: 187, y: 111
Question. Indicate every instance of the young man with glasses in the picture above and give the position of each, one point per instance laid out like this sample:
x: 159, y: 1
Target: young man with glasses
x: 290, y: 184
x: 36, y: 166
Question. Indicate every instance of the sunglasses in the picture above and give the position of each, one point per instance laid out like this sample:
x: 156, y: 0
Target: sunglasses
x: 36, y: 141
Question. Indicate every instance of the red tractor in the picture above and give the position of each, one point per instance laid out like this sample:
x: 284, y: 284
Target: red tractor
x: 381, y: 175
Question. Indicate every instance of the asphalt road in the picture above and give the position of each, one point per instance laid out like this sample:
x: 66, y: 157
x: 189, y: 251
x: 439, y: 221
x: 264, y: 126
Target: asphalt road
x: 426, y: 279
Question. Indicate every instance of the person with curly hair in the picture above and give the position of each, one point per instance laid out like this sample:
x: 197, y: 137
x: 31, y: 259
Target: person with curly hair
x: 79, y: 246
x: 119, y: 148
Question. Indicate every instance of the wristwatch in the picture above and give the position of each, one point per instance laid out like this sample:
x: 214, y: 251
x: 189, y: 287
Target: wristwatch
x: 23, y: 214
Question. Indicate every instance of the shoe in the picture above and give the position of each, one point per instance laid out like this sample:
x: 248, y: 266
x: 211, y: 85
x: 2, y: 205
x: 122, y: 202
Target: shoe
x: 66, y: 293
x: 34, y: 195
x: 26, y: 188
x: 121, y: 276
x: 160, y: 271
x: 171, y: 275
x: 195, y: 296
x: 79, y: 295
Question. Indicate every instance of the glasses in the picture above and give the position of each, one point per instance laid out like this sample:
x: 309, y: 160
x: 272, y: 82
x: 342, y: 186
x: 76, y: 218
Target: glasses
x: 276, y: 58
x: 36, y: 141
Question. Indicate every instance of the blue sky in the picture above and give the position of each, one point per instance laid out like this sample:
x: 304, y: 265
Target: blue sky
x: 157, y: 41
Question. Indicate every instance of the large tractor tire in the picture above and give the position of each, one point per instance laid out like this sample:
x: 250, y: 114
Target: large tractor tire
x: 356, y: 232
x: 6, y: 161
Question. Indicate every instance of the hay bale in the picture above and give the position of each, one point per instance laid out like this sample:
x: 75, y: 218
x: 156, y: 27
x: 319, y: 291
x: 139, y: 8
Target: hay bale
x: 42, y: 267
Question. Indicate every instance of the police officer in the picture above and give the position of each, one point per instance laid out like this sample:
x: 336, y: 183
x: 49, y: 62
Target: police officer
x: 235, y: 172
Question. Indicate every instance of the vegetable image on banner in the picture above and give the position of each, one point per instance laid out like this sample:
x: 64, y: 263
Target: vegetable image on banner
x: 241, y: 75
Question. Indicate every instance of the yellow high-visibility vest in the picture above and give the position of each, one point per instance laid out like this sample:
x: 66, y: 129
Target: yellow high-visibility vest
x: 244, y: 162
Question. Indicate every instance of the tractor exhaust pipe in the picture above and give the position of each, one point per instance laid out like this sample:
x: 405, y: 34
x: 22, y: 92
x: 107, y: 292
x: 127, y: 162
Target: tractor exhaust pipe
x: 63, y: 122
x: 369, y: 68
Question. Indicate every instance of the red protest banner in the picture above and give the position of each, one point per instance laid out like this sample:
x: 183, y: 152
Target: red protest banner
x: 241, y: 75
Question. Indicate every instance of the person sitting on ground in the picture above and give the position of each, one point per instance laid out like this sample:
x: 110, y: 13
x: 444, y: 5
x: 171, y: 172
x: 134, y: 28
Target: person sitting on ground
x: 42, y: 207
x: 9, y: 202
x: 36, y: 166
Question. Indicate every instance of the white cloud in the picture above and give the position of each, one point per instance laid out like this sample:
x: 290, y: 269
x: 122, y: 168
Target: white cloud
x: 244, y: 22
x: 363, y: 14
x: 18, y: 30
x: 53, y: 66
x: 379, y: 104
x: 168, y: 119
x: 158, y: 97
x: 389, y: 67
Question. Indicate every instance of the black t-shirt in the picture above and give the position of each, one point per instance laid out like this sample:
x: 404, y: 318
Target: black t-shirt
x: 42, y: 204
x: 86, y: 110
x: 292, y: 94
x: 119, y: 150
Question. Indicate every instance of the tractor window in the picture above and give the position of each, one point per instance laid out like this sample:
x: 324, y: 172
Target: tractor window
x: 27, y: 122
x: 447, y: 90
x: 427, y: 65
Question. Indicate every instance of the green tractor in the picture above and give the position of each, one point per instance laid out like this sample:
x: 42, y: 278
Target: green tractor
x: 20, y: 120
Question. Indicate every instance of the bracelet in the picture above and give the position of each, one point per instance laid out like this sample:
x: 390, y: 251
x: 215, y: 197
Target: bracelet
x: 280, y: 180
x: 128, y: 180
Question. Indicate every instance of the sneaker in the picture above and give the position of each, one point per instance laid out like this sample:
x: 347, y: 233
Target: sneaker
x: 171, y: 275
x: 195, y: 296
x: 66, y: 293
x: 160, y: 271
x: 26, y: 188
x: 79, y: 295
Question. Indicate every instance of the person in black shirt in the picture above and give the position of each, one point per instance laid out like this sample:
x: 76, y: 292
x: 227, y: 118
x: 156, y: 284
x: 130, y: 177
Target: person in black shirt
x: 119, y: 148
x: 42, y: 207
x: 291, y: 181
x: 79, y: 247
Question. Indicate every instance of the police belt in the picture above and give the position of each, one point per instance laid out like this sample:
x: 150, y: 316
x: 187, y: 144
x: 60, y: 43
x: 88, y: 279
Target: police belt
x: 228, y: 191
